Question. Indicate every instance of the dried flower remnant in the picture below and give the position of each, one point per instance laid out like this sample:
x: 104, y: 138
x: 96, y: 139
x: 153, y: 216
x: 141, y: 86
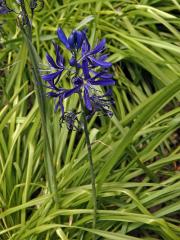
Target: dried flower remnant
x: 71, y: 120
x: 102, y: 103
x: 36, y: 6
x: 4, y: 9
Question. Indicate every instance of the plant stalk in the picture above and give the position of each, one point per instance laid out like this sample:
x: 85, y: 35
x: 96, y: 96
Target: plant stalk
x: 48, y: 156
x: 93, y: 181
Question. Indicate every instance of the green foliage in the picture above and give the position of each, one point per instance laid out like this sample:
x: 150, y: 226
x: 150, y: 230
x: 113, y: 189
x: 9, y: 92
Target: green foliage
x: 135, y: 153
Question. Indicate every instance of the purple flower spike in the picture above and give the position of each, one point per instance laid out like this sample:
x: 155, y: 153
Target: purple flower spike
x: 87, y: 71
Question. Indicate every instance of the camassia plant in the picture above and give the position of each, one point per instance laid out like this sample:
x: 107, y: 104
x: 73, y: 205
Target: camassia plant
x: 86, y: 69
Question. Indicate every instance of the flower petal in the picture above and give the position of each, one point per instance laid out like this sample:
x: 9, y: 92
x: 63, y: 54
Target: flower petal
x: 71, y: 40
x: 85, y: 69
x: 102, y: 75
x: 51, y: 61
x: 62, y: 37
x: 106, y: 75
x: 87, y: 99
x: 70, y: 92
x: 85, y: 47
x: 103, y: 57
x: 79, y: 39
x: 51, y: 76
x: 60, y: 104
x: 98, y: 47
x: 106, y: 82
x: 59, y: 57
x: 72, y: 61
x: 98, y: 62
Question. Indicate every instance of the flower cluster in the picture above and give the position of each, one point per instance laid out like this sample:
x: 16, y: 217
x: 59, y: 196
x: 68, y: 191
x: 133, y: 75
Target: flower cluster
x: 87, y: 69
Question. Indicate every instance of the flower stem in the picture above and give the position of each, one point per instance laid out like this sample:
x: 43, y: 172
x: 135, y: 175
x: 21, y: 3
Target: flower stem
x: 93, y: 181
x: 48, y: 155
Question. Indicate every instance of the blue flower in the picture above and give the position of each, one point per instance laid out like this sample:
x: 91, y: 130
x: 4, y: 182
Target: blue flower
x: 61, y: 94
x: 57, y: 65
x: 87, y: 70
x: 101, y: 78
x: 75, y: 40
x: 89, y: 55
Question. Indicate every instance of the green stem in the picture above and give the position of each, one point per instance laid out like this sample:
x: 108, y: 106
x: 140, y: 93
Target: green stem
x: 48, y: 155
x: 93, y: 181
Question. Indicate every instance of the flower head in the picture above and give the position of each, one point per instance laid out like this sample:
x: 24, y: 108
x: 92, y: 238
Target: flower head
x: 87, y: 71
x: 74, y: 41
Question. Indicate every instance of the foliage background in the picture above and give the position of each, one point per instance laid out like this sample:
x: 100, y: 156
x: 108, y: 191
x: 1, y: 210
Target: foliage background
x: 135, y: 153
